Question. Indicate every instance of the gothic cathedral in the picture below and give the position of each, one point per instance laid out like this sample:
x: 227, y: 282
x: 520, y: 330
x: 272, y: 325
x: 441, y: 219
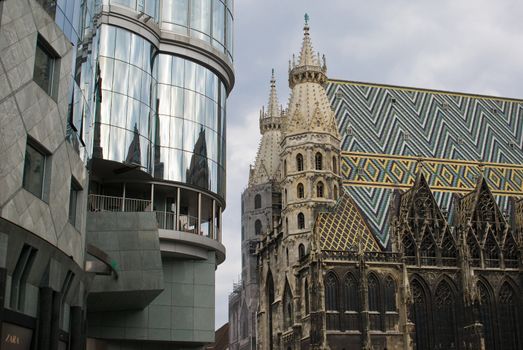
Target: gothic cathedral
x: 315, y: 273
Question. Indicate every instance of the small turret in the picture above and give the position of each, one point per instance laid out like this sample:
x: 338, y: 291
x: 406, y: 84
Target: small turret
x: 270, y: 119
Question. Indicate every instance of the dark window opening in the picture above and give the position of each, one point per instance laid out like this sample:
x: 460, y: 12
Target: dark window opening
x: 257, y: 201
x: 318, y: 161
x: 301, y: 221
x: 300, y: 190
x: 46, y: 69
x: 319, y: 190
x: 19, y: 279
x: 257, y: 227
x: 299, y: 162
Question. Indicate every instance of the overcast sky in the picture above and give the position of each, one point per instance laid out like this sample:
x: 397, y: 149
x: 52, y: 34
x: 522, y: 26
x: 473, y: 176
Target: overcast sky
x: 458, y: 45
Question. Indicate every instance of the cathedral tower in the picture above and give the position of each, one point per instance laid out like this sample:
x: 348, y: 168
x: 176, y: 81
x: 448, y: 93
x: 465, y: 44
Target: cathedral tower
x: 261, y: 207
x: 310, y: 146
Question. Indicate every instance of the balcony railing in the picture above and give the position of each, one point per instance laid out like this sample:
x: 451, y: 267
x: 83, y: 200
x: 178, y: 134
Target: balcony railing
x: 98, y: 202
x: 167, y: 221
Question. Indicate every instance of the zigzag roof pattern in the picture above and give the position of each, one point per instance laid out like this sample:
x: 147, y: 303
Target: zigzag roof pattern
x: 404, y: 121
x: 344, y: 228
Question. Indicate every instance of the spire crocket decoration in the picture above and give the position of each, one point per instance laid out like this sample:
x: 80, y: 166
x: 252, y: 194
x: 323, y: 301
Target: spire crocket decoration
x: 266, y: 166
x: 309, y: 108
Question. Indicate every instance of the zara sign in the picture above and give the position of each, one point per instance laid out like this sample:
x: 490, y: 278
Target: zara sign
x: 15, y: 337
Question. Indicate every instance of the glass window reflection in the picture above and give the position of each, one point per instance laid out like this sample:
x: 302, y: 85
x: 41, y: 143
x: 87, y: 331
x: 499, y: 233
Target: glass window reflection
x: 123, y: 44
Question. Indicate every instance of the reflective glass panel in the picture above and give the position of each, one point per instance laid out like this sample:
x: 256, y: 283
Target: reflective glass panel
x: 123, y: 45
x: 34, y: 169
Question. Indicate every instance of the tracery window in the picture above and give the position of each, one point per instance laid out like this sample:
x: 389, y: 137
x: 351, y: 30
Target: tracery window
x: 428, y: 250
x: 257, y: 227
x: 510, y: 252
x: 257, y: 201
x: 331, y: 301
x: 244, y: 323
x: 373, y: 301
x: 288, y: 316
x: 300, y: 190
x: 270, y: 299
x: 299, y: 162
x: 474, y: 250
x: 301, y: 221
x: 508, y: 319
x: 389, y: 299
x: 420, y: 316
x: 448, y: 250
x: 306, y: 297
x: 319, y: 190
x: 318, y: 161
x: 351, y: 303
x: 409, y: 249
x: 491, y: 251
x: 334, y: 165
x: 485, y: 313
x: 444, y: 317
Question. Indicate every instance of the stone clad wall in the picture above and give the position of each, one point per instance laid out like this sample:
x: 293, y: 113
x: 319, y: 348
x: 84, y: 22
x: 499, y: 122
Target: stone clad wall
x: 26, y: 110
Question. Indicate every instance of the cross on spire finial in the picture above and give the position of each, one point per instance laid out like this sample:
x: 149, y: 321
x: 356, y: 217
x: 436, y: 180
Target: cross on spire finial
x: 307, y: 18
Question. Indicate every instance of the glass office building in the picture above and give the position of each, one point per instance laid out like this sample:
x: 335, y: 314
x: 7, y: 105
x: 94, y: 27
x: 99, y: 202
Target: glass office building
x: 162, y: 71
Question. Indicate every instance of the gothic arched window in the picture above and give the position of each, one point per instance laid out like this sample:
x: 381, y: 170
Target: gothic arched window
x: 301, y: 251
x: 389, y: 301
x: 373, y: 301
x: 491, y: 250
x: 448, y: 250
x: 334, y: 165
x: 428, y: 250
x: 419, y: 314
x: 319, y: 190
x: 335, y: 193
x: 257, y: 201
x: 510, y: 252
x: 409, y: 249
x: 244, y: 322
x: 331, y: 300
x: 300, y: 190
x: 270, y: 301
x: 485, y: 313
x: 306, y: 297
x: 299, y: 162
x: 287, y: 307
x: 285, y: 168
x: 508, y: 319
x: 301, y: 221
x: 351, y: 303
x: 444, y: 317
x: 318, y: 161
x: 257, y: 227
x: 474, y: 250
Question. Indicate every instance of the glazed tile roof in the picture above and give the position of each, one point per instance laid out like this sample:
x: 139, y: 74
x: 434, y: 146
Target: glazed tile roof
x: 344, y: 228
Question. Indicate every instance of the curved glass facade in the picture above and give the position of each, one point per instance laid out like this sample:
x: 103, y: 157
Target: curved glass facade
x: 149, y: 7
x: 159, y: 111
x: 190, y: 125
x: 124, y: 110
x: 207, y: 20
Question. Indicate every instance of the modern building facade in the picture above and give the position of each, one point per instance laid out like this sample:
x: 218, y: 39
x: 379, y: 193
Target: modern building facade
x: 113, y: 180
x: 399, y: 222
x: 43, y: 180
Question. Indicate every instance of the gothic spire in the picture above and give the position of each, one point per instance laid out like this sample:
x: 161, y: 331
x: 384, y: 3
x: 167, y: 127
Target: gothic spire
x: 273, y: 106
x: 309, y: 107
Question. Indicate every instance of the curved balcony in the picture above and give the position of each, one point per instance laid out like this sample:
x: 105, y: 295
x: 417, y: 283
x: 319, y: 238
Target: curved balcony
x: 186, y: 225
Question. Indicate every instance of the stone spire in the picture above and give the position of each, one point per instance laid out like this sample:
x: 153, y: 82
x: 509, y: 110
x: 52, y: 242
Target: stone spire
x: 266, y: 166
x: 273, y: 106
x: 309, y: 108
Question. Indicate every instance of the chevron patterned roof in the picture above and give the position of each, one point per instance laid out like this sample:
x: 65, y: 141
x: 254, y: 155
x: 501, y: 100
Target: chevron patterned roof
x: 344, y: 228
x: 420, y: 123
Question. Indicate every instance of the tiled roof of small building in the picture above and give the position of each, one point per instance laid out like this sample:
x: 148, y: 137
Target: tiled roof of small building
x: 344, y: 228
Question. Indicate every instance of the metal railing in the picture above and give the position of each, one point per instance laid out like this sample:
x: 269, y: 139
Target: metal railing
x: 167, y: 221
x: 98, y: 202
